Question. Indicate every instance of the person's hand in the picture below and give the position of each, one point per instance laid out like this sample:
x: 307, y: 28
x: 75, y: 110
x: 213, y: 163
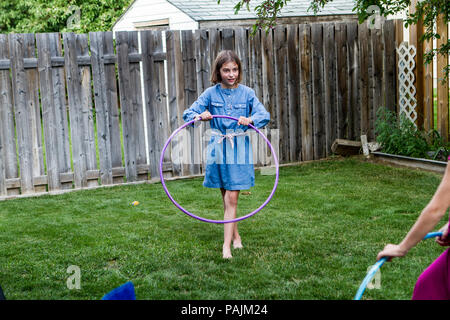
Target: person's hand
x: 205, y: 116
x: 391, y: 251
x: 245, y: 121
x: 444, y: 240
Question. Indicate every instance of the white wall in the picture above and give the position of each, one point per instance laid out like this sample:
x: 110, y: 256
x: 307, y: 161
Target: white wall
x: 147, y: 10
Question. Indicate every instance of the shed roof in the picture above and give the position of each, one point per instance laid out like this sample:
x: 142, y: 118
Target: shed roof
x: 209, y: 9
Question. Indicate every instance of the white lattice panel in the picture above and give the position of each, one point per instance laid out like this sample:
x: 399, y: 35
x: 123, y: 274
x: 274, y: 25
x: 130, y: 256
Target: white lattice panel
x: 407, y: 90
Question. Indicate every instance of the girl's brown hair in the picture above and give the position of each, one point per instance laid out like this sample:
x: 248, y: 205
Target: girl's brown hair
x: 222, y: 58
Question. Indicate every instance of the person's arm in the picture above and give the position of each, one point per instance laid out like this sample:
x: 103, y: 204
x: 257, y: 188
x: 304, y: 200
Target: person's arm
x: 427, y: 220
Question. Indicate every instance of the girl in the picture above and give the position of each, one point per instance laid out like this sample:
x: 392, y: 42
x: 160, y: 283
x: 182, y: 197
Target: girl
x: 434, y: 282
x: 228, y: 97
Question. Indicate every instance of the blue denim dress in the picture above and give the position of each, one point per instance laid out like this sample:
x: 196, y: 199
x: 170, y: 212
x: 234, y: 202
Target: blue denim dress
x: 229, y: 161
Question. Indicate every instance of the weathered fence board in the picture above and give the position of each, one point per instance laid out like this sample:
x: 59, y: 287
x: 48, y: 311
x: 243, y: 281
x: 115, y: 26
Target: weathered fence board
x: 155, y: 100
x: 317, y: 90
x: 80, y: 109
x: 282, y: 111
x: 190, y: 87
x: 128, y: 107
x: 376, y: 77
x: 7, y: 130
x: 353, y: 113
x: 293, y: 78
x: 175, y: 89
x: 389, y: 79
x: 442, y: 86
x: 363, y: 36
x: 329, y: 67
x: 106, y: 106
x: 306, y: 92
x: 23, y: 114
x: 342, y: 102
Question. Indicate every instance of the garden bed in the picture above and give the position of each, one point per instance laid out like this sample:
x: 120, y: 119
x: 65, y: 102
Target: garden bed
x: 417, y: 163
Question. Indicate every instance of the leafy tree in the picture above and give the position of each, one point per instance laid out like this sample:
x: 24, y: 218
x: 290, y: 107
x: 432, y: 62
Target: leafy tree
x: 81, y: 16
x: 267, y: 12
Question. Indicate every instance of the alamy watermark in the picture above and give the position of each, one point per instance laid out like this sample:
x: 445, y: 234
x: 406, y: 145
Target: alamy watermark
x: 74, y: 280
x: 375, y: 20
x: 241, y: 148
x: 375, y: 283
x: 74, y: 20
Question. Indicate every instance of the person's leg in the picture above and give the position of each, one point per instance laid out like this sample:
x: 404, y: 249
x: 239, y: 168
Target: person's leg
x: 230, y: 198
x: 433, y: 283
x: 237, y: 242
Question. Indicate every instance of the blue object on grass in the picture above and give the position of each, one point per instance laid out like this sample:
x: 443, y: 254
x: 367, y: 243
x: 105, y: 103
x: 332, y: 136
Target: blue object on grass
x: 124, y: 292
x: 378, y: 264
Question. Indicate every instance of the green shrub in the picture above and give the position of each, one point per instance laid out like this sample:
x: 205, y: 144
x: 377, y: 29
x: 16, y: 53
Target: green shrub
x: 398, y: 135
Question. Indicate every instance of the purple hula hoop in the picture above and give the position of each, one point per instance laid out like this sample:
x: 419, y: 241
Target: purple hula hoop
x: 209, y: 220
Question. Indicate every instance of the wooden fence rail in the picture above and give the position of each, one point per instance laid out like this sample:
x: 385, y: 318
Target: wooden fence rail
x: 87, y: 109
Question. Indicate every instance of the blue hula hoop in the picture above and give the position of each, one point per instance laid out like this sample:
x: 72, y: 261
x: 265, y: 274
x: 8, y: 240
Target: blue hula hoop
x: 373, y: 270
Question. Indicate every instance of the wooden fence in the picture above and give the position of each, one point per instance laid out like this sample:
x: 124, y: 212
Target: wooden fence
x: 432, y: 94
x: 74, y: 112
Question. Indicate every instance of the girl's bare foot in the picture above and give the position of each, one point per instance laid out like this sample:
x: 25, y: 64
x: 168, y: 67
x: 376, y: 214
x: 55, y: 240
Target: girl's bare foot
x: 237, y: 244
x: 226, y: 253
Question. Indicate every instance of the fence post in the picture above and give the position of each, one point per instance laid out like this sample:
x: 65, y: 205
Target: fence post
x: 442, y: 86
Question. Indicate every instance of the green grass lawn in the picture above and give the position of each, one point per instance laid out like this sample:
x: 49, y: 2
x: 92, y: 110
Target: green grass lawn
x: 314, y: 240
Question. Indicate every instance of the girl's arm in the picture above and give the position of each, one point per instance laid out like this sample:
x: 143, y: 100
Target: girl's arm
x: 427, y: 220
x: 197, y: 108
x: 259, y: 115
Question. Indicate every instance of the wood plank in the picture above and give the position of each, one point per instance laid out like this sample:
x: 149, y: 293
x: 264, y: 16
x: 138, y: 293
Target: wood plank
x: 317, y: 90
x: 190, y: 88
x: 342, y: 80
x: 293, y: 75
x: 60, y: 104
x: 363, y: 36
x: 282, y: 92
x: 267, y: 72
x: 428, y: 94
x: 442, y: 86
x: 7, y: 129
x: 89, y: 145
x: 137, y: 103
x: 155, y: 101
x: 346, y: 147
x: 306, y: 92
x: 330, y: 106
x: 228, y: 39
x: 23, y: 114
x: 390, y: 67
x: 32, y: 96
x: 203, y: 70
x: 126, y: 103
x: 377, y: 80
x: 353, y: 74
x: 241, y: 48
x: 215, y: 44
x: 48, y: 110
x: 3, y: 190
x: 174, y: 117
x: 107, y: 115
x: 75, y: 97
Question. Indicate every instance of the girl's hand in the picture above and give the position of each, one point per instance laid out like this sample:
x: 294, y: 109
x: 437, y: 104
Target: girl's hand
x: 205, y: 116
x: 245, y: 121
x: 444, y: 240
x: 391, y: 251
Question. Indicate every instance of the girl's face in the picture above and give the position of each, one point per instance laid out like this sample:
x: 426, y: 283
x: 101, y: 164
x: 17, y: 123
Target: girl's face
x: 229, y: 73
